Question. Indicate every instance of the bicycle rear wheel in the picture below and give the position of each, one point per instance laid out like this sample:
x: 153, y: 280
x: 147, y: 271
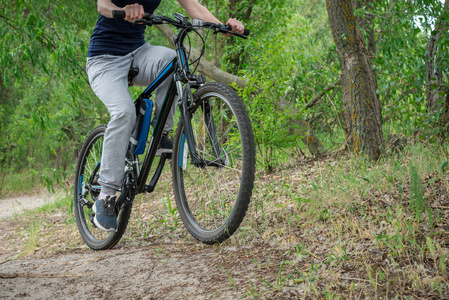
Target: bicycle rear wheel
x: 87, y: 189
x: 213, y: 196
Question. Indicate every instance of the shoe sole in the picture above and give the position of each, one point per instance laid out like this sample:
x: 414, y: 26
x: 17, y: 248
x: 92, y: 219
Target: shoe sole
x: 98, y: 224
x: 102, y: 228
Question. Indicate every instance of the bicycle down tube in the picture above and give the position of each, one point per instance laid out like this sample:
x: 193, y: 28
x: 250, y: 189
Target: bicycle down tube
x: 179, y: 63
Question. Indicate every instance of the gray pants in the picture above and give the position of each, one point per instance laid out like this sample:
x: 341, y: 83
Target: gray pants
x: 108, y: 77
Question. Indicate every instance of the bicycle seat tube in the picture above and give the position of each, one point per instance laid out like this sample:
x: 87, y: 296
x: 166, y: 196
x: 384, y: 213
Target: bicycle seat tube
x: 161, y: 120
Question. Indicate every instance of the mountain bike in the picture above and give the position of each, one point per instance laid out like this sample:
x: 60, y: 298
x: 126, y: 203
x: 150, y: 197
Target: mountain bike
x: 213, y: 158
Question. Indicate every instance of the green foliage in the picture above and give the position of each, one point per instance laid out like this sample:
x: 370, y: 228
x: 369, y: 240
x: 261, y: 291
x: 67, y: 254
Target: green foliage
x: 402, y: 32
x: 46, y: 103
x: 271, y: 125
x: 47, y: 106
x: 285, y: 60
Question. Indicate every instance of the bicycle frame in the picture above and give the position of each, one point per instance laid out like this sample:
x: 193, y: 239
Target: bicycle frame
x: 198, y: 105
x: 179, y: 71
x: 157, y: 132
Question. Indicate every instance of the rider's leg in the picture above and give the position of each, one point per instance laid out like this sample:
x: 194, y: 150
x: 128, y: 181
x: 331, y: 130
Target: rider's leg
x: 108, y: 79
x: 151, y: 60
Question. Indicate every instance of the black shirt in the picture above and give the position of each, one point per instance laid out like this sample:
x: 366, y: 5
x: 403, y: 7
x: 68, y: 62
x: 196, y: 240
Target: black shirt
x: 117, y: 36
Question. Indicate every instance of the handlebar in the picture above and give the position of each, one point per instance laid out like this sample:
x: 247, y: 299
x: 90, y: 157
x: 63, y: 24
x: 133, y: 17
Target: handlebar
x: 182, y: 22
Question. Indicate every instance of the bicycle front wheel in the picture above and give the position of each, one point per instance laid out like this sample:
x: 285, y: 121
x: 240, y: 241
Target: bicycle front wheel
x: 213, y: 192
x: 86, y: 191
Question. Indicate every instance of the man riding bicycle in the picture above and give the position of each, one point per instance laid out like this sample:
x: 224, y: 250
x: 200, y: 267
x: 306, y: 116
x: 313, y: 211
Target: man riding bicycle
x: 116, y: 46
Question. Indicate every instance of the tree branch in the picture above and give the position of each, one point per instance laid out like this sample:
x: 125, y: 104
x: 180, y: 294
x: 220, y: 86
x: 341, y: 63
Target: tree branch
x: 320, y: 95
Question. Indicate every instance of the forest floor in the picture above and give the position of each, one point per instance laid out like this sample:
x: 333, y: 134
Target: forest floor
x: 315, y: 229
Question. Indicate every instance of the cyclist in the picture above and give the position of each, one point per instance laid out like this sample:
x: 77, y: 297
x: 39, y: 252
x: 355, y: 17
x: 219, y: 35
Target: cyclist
x: 116, y: 45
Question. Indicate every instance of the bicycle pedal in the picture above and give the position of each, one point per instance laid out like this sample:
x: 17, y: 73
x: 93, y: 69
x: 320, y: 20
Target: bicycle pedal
x: 162, y: 151
x: 91, y: 217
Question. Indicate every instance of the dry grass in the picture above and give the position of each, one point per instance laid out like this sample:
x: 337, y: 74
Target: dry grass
x: 336, y: 227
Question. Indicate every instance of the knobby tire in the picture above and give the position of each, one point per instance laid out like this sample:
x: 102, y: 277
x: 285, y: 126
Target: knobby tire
x: 212, y: 200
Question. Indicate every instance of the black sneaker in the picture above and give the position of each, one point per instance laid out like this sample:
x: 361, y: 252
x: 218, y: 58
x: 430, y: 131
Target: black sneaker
x: 166, y: 144
x: 105, y: 217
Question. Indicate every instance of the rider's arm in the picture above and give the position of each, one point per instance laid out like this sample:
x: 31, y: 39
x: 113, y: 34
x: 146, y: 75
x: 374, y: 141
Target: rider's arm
x: 133, y: 11
x: 198, y: 11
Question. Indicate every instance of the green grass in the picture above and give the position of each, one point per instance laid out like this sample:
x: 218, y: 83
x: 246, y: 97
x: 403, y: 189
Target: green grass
x: 27, y: 181
x: 11, y: 182
x: 350, y: 203
x: 32, y: 241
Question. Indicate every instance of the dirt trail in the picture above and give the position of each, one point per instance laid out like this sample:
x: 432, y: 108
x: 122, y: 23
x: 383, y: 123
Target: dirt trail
x: 116, y: 274
x: 16, y: 205
x: 163, y: 271
x: 137, y: 268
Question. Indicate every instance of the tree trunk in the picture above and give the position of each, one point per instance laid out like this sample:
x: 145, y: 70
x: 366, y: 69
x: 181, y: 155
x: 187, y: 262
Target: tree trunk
x: 434, y: 74
x: 362, y: 108
x: 206, y: 68
x: 366, y: 24
x: 443, y: 28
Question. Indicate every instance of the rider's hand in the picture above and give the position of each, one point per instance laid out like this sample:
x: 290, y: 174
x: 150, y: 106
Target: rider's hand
x: 133, y: 12
x: 236, y: 25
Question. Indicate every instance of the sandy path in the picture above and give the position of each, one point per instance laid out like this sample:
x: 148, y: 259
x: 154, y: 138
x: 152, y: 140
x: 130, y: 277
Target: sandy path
x: 138, y: 269
x: 11, y: 206
x: 156, y: 271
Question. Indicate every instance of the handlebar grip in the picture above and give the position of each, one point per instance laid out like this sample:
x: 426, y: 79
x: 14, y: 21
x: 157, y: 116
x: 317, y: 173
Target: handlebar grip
x: 118, y: 14
x: 245, y: 32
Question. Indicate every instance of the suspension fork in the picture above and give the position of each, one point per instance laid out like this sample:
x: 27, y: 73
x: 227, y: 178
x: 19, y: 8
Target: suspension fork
x: 187, y: 120
x: 185, y: 103
x: 210, y: 125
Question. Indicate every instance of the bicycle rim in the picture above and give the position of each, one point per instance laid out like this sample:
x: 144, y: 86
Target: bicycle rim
x: 87, y: 189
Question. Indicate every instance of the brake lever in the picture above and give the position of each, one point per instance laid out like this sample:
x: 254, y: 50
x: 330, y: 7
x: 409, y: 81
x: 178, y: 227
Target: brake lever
x: 231, y: 32
x: 145, y: 21
x: 238, y: 34
x: 243, y: 36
